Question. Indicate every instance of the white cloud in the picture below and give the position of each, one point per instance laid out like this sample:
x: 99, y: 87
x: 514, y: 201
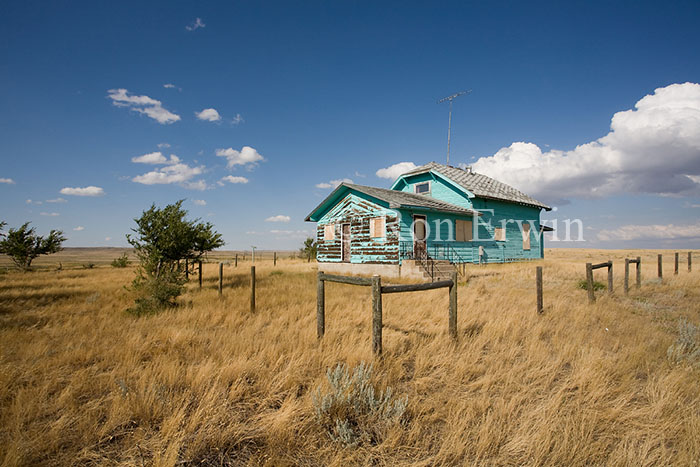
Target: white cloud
x: 246, y: 156
x: 49, y: 214
x: 196, y: 24
x: 232, y: 179
x: 334, y: 183
x: 200, y: 185
x: 657, y: 232
x: 171, y: 86
x: 108, y: 239
x: 209, y: 115
x: 238, y: 119
x: 9, y: 181
x: 172, y: 173
x: 394, y: 171
x: 150, y: 158
x: 199, y: 202
x: 142, y: 104
x: 79, y: 228
x: 57, y: 200
x: 653, y: 148
x: 163, y: 145
x: 278, y: 218
x: 31, y: 201
x: 86, y: 191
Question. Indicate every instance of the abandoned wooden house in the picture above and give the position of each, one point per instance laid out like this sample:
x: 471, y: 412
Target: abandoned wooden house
x: 432, y: 218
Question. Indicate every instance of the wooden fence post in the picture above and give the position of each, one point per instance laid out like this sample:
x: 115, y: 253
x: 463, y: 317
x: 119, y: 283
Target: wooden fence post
x: 540, y: 298
x: 589, y: 282
x: 187, y: 270
x: 690, y: 262
x: 377, y: 314
x: 453, y: 306
x: 274, y: 259
x: 639, y: 271
x: 221, y: 279
x: 610, y: 277
x: 675, y: 269
x: 236, y: 261
x: 661, y: 267
x: 320, y: 306
x: 200, y: 274
x: 252, y: 288
x: 627, y: 276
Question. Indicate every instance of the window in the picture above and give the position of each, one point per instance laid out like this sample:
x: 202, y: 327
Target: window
x: 526, y: 236
x: 499, y: 234
x: 421, y: 188
x: 463, y: 231
x: 377, y: 227
x: 329, y: 232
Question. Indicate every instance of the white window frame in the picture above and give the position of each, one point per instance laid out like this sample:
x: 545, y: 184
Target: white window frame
x: 430, y: 188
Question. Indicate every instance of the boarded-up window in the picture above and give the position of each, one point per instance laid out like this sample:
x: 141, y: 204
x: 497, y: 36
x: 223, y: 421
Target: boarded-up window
x: 526, y: 236
x: 329, y: 232
x: 499, y: 234
x: 463, y: 231
x: 377, y: 227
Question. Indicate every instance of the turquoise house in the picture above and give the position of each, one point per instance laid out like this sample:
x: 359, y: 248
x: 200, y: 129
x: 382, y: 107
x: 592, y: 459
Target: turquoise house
x: 433, y: 217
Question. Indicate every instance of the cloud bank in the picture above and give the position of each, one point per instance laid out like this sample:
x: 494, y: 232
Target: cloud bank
x: 85, y: 191
x: 394, y: 171
x: 653, y: 149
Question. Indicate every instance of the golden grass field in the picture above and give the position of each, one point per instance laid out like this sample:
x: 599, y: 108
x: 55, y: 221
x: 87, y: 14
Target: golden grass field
x: 210, y: 383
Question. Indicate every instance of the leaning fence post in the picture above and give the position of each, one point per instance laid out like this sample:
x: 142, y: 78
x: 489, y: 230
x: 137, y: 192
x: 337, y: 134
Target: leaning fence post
x: 453, y: 306
x: 639, y: 271
x: 200, y: 274
x: 610, y: 277
x: 540, y: 299
x: 377, y: 314
x: 661, y: 268
x: 320, y: 306
x: 221, y: 279
x: 627, y: 276
x: 690, y: 262
x: 589, y: 282
x: 252, y: 288
x: 675, y: 269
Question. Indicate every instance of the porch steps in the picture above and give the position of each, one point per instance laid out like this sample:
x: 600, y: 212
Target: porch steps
x: 442, y: 270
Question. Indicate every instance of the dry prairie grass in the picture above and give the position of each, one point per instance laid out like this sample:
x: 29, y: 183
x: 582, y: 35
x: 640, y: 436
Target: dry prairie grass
x: 82, y: 382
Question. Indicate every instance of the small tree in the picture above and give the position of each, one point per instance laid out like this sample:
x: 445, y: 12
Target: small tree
x: 121, y: 261
x: 309, y: 249
x: 23, y: 245
x: 161, y: 240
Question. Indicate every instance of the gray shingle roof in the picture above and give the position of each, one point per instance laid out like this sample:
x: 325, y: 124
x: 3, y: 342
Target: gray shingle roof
x: 401, y: 199
x: 479, y: 184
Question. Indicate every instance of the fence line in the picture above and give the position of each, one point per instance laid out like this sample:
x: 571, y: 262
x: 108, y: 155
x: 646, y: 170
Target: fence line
x: 589, y: 278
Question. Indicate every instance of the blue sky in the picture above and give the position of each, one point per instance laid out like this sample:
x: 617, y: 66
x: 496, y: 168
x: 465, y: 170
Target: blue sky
x: 307, y: 93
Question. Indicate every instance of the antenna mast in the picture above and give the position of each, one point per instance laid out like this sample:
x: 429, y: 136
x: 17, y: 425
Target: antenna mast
x: 449, y: 121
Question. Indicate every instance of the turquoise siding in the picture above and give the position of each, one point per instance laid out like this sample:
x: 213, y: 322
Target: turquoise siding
x: 439, y: 189
x: 357, y: 209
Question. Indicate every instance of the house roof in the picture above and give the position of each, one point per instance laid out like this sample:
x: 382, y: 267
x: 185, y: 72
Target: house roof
x: 395, y: 200
x: 479, y: 184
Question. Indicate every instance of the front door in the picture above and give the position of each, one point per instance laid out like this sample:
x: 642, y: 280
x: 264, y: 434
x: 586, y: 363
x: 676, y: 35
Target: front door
x: 345, y: 240
x: 419, y: 237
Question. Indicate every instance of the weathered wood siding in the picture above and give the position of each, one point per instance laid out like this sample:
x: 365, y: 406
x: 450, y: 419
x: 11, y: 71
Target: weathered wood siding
x: 439, y: 189
x: 357, y: 211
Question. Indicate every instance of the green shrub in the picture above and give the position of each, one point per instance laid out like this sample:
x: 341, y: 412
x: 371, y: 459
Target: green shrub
x: 88, y: 265
x: 687, y: 345
x: 121, y: 262
x: 156, y: 292
x: 349, y: 412
x: 583, y: 284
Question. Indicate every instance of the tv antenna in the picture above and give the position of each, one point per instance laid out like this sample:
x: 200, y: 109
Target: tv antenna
x: 449, y: 121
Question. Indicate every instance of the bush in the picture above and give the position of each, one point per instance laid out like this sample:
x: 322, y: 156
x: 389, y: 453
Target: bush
x: 350, y: 413
x: 583, y: 284
x: 88, y: 266
x: 687, y: 346
x: 121, y: 262
x: 156, y: 292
